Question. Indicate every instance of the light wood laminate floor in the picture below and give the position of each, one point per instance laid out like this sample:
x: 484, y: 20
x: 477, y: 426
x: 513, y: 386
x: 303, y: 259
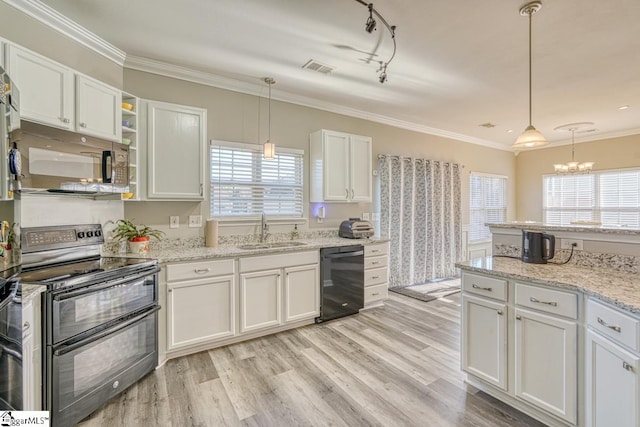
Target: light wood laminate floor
x: 397, y: 365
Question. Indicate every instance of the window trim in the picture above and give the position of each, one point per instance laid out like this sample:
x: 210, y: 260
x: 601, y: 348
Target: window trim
x: 249, y: 219
x: 506, y: 208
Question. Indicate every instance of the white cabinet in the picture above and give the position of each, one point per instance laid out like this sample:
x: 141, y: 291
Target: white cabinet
x: 131, y: 124
x: 546, y: 363
x: 31, y: 356
x: 340, y: 167
x: 301, y: 292
x: 98, y: 109
x: 260, y: 300
x: 176, y: 151
x: 46, y: 88
x: 376, y: 274
x: 484, y: 339
x: 612, y: 367
x: 200, y: 302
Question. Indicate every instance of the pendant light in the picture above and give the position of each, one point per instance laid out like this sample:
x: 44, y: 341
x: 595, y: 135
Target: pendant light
x: 573, y: 166
x: 530, y: 137
x: 269, y: 148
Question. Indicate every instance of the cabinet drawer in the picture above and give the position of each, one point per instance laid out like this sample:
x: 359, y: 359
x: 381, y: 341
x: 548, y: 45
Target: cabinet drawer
x: 547, y: 300
x: 485, y: 286
x: 375, y: 262
x: 375, y: 276
x: 614, y: 324
x: 375, y: 293
x: 199, y: 269
x: 376, y: 249
x: 267, y: 262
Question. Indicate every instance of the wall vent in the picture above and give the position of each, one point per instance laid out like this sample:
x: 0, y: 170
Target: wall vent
x: 314, y: 65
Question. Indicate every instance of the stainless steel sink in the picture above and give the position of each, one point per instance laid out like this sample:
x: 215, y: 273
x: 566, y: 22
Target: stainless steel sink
x: 253, y: 246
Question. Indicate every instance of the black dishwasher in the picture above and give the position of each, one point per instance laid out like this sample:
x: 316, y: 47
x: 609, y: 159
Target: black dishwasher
x: 342, y: 281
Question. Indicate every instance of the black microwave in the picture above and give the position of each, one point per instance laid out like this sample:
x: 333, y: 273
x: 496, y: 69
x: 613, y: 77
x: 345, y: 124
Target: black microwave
x: 61, y: 161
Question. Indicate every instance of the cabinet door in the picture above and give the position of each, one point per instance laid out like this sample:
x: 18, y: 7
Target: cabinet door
x: 613, y: 384
x: 176, y: 147
x: 301, y: 293
x: 46, y: 88
x: 546, y: 363
x: 200, y: 311
x: 360, y: 171
x: 484, y: 340
x: 98, y: 109
x: 336, y: 166
x: 260, y: 296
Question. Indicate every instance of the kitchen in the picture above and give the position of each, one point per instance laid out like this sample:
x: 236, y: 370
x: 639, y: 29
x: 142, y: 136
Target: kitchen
x: 241, y: 116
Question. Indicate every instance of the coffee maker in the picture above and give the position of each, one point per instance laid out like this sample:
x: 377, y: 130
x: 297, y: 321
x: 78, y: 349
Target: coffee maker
x: 537, y: 248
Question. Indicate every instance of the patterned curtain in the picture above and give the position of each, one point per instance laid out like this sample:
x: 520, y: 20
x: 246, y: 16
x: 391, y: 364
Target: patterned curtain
x: 421, y: 216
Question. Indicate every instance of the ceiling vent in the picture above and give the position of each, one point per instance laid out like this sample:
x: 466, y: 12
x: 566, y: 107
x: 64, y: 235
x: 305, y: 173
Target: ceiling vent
x: 487, y: 125
x: 314, y: 65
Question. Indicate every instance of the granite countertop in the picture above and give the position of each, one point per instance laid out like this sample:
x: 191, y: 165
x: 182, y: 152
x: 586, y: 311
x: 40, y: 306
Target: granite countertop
x: 29, y: 292
x: 176, y: 254
x: 618, y: 288
x: 578, y: 228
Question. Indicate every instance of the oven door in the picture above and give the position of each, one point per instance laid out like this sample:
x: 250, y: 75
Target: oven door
x: 87, y: 373
x: 81, y: 309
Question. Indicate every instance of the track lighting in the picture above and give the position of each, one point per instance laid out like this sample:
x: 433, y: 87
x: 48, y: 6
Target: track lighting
x: 370, y: 26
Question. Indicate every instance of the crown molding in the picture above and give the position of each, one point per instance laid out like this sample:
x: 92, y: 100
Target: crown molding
x: 209, y: 79
x: 55, y: 20
x: 595, y: 137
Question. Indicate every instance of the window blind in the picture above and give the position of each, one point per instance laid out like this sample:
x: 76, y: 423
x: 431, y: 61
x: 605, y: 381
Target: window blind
x: 610, y: 197
x: 488, y: 203
x: 244, y: 184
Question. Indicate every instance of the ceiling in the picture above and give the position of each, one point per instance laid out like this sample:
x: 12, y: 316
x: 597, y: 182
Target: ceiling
x: 459, y: 64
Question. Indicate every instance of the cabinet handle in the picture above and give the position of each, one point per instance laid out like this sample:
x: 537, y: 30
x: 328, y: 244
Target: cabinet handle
x: 474, y: 286
x: 26, y: 326
x: 352, y: 193
x: 375, y: 263
x: 170, y: 290
x: 83, y: 125
x: 201, y: 270
x: 346, y: 193
x: 552, y: 303
x: 518, y: 317
x: 375, y: 251
x: 606, y: 325
x: 500, y: 312
x: 628, y: 367
x: 64, y: 120
x: 375, y: 293
x: 201, y: 189
x: 375, y: 277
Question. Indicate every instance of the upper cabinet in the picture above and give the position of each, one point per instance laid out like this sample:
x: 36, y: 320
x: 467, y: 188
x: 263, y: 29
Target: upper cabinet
x: 54, y: 95
x: 98, y: 109
x: 340, y: 167
x: 176, y: 140
x: 46, y: 88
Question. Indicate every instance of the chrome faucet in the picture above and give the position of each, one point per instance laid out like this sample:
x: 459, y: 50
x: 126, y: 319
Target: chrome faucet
x: 264, y: 228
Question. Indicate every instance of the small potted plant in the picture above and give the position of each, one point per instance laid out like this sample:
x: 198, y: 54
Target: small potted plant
x: 138, y: 236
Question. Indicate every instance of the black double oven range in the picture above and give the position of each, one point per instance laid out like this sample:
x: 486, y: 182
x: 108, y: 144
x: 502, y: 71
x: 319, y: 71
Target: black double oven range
x: 99, y: 318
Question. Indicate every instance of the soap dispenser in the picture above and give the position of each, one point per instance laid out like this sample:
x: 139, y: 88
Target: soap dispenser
x: 294, y: 232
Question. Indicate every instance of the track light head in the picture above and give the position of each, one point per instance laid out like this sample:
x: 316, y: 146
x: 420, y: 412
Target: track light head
x: 370, y: 25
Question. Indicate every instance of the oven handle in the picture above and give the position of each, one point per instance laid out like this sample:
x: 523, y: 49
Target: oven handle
x: 128, y: 322
x: 93, y: 288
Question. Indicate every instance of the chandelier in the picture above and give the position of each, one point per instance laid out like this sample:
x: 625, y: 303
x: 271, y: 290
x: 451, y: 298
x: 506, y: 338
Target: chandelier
x: 573, y: 166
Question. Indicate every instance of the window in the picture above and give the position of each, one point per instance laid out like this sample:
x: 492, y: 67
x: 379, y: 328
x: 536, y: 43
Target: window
x: 243, y: 184
x: 609, y: 197
x: 488, y: 203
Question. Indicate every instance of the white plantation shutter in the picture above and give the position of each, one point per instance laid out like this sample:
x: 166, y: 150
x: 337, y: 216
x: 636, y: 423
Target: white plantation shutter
x: 488, y: 203
x: 244, y: 184
x: 611, y: 197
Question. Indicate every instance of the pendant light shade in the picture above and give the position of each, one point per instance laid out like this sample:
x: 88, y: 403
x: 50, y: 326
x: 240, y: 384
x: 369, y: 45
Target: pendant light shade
x: 530, y: 137
x: 269, y: 148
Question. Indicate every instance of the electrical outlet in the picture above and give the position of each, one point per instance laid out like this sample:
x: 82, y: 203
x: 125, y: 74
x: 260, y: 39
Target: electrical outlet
x: 567, y: 243
x: 174, y: 221
x: 365, y: 216
x: 319, y: 220
x: 195, y: 221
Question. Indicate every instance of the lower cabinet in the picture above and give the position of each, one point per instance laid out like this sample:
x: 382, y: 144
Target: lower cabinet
x: 301, y: 292
x: 546, y: 362
x: 260, y: 300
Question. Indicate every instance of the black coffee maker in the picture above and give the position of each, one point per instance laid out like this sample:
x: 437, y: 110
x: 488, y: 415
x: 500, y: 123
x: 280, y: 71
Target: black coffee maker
x: 537, y: 248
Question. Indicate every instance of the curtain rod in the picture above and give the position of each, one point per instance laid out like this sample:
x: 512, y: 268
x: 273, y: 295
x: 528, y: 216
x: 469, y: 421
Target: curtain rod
x: 382, y: 156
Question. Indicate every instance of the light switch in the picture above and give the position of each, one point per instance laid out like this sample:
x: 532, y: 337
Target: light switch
x: 195, y: 221
x: 174, y: 221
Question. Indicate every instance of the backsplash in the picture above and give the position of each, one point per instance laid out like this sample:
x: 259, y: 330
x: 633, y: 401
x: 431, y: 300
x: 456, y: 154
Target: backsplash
x: 617, y: 262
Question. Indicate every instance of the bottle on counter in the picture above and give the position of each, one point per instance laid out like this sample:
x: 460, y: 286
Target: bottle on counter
x: 294, y: 232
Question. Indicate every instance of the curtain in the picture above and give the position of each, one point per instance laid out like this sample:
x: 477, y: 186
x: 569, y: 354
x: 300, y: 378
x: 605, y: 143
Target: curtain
x: 421, y: 216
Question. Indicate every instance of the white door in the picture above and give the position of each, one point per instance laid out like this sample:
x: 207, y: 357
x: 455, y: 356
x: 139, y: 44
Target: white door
x: 336, y: 166
x: 176, y: 138
x: 546, y: 363
x: 360, y: 175
x: 200, y: 311
x: 98, y: 109
x: 484, y: 340
x: 301, y: 293
x: 613, y: 384
x: 260, y: 300
x: 46, y: 88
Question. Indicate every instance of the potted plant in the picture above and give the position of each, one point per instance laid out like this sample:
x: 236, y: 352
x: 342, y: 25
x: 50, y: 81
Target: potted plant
x: 137, y: 236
